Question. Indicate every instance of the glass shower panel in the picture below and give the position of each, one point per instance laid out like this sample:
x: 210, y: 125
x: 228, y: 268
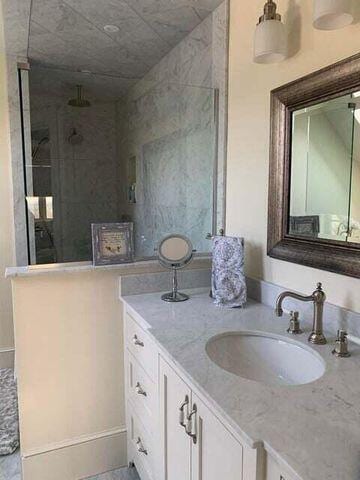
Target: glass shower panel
x: 38, y: 182
x: 144, y: 152
x: 169, y: 146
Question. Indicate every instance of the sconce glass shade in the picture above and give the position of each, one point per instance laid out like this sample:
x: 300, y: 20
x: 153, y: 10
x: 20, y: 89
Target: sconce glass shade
x: 270, y: 42
x: 332, y: 14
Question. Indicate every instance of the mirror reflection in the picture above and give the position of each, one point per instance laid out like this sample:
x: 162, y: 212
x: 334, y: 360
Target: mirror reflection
x: 325, y: 170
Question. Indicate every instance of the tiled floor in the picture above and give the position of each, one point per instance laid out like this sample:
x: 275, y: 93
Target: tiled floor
x: 10, y: 470
x: 122, y: 474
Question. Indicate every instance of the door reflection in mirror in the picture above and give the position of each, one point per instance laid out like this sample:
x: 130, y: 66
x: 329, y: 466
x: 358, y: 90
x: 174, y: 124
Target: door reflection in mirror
x: 325, y: 170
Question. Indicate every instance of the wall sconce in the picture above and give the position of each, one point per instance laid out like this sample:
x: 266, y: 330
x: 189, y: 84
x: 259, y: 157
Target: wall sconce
x: 332, y: 14
x: 270, y: 36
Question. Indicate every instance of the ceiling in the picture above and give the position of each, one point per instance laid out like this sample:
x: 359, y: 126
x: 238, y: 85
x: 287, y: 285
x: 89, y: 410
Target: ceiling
x: 69, y: 34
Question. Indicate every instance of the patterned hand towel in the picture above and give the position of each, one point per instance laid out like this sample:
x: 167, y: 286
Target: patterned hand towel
x: 227, y: 278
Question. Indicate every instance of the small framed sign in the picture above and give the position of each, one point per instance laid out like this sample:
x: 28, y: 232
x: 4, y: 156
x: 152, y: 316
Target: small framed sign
x: 112, y: 243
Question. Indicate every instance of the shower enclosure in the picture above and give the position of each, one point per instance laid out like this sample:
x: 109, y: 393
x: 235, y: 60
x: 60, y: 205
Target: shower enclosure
x: 95, y: 152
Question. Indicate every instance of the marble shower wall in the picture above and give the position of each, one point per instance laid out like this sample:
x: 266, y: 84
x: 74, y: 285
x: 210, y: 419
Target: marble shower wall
x: 84, y: 176
x: 168, y: 134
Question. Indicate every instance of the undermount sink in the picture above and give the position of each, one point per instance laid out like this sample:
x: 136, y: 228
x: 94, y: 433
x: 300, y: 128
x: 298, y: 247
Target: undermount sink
x: 265, y: 358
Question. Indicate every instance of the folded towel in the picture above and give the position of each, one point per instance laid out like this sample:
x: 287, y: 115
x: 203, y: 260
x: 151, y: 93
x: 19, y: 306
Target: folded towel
x: 227, y: 278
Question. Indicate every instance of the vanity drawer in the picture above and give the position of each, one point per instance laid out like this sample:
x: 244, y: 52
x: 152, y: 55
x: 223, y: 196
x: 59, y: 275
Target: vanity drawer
x: 141, y: 447
x: 141, y: 392
x: 142, y: 347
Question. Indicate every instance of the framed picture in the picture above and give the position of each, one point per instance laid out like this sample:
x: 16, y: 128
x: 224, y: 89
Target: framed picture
x: 112, y: 243
x: 308, y: 226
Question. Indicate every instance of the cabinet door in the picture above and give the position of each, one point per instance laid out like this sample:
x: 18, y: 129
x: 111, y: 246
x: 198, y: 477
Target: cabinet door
x: 216, y: 454
x: 175, y: 443
x: 274, y: 471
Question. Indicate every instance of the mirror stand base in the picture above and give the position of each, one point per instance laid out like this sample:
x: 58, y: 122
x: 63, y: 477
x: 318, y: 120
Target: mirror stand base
x: 174, y: 297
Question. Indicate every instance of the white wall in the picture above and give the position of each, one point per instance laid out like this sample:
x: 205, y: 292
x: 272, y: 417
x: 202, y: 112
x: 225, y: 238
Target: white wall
x: 70, y: 370
x: 248, y: 145
x: 68, y: 331
x: 6, y: 219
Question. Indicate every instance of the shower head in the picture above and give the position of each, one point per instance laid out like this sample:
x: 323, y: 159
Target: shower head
x: 79, y: 101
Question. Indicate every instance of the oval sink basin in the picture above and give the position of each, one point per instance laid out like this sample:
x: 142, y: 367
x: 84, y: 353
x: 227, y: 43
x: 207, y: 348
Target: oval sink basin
x: 265, y: 358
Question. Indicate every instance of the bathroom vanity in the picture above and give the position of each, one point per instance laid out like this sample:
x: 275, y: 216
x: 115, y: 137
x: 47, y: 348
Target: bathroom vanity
x: 173, y: 431
x: 185, y: 412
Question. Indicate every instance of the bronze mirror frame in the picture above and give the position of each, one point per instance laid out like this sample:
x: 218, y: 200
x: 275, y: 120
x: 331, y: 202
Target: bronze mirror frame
x: 336, y: 80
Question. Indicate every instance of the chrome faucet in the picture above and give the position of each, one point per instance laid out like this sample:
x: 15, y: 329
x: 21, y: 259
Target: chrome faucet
x: 318, y: 297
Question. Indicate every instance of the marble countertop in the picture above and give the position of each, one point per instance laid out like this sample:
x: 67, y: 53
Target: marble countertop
x: 313, y: 429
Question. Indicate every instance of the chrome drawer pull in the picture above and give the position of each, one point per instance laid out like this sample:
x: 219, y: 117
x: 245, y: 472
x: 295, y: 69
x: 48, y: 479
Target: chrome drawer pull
x: 191, y: 424
x: 140, y: 447
x: 137, y: 341
x: 140, y: 390
x: 182, y: 413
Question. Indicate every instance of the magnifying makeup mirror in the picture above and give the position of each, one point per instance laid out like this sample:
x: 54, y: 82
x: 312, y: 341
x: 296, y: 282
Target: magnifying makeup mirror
x: 175, y: 251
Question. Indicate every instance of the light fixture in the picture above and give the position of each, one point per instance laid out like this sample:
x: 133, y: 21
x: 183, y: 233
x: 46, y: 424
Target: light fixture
x: 332, y: 14
x: 270, y: 36
x: 111, y: 28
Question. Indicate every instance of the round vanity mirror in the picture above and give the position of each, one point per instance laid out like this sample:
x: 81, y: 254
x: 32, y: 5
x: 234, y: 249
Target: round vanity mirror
x: 175, y: 251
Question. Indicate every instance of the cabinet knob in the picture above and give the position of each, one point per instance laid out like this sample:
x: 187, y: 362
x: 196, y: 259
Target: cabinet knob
x: 140, y: 390
x: 140, y: 447
x: 137, y: 342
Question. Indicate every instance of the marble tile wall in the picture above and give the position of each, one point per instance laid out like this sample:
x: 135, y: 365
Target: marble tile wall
x: 161, y: 281
x: 167, y: 125
x: 16, y: 146
x: 220, y: 41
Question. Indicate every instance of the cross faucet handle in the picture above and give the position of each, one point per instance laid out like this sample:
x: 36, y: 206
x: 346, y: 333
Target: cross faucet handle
x: 341, y: 345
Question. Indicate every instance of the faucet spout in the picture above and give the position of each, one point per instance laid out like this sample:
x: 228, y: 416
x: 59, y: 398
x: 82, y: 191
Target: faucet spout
x: 278, y: 308
x: 318, y: 298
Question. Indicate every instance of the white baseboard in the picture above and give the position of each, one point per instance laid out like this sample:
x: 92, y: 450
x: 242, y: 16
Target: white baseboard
x: 7, y: 356
x: 78, y: 458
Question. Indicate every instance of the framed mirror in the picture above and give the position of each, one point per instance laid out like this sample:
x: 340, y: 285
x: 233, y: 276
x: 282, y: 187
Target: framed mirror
x: 314, y: 183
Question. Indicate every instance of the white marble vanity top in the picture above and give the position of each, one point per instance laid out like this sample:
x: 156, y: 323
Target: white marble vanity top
x: 314, y: 429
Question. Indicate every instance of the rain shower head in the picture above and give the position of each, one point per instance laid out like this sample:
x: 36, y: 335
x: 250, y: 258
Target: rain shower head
x: 79, y: 101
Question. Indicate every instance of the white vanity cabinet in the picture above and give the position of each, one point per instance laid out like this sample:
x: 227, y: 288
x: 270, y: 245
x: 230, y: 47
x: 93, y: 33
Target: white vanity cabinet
x: 216, y: 453
x: 142, y: 399
x: 275, y: 471
x: 172, y: 433
x: 200, y: 448
x: 175, y: 444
